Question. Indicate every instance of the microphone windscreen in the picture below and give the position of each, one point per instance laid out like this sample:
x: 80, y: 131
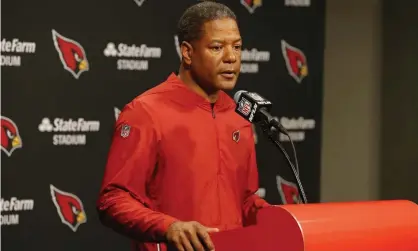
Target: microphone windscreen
x: 237, y: 95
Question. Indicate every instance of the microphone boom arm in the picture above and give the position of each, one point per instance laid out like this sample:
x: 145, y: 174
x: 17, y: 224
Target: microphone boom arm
x: 272, y: 129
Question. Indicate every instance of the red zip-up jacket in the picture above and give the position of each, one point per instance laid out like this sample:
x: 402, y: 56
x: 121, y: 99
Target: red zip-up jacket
x: 173, y: 157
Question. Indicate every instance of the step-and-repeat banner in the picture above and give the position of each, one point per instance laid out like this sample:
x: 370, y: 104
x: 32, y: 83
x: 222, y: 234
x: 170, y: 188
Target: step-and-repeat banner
x: 69, y: 67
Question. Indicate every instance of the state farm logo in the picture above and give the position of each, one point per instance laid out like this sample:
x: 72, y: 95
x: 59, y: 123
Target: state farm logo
x: 296, y: 127
x: 69, y: 131
x: 11, y: 209
x: 251, y: 59
x: 297, y: 3
x: 11, y: 51
x: 142, y: 54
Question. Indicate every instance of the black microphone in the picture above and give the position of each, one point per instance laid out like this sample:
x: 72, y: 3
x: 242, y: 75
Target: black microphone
x: 254, y: 108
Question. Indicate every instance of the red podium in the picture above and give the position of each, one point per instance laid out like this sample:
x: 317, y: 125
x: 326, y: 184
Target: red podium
x: 351, y: 226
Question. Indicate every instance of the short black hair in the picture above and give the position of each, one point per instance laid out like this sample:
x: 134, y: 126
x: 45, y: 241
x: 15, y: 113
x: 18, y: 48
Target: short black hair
x: 189, y: 27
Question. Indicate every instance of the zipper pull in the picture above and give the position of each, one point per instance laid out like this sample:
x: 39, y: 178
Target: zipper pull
x: 213, y: 110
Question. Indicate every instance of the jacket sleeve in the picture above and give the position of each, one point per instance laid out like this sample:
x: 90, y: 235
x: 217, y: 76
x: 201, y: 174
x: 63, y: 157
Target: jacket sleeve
x: 252, y: 202
x: 123, y: 204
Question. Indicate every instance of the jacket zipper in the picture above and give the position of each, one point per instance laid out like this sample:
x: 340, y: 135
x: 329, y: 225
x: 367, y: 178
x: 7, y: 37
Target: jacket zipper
x: 219, y: 164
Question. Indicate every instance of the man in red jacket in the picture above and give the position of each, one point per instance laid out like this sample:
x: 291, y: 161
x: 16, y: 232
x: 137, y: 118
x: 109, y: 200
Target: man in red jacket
x: 182, y: 163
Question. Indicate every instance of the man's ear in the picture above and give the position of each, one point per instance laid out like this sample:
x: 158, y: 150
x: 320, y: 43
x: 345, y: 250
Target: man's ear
x: 186, y: 52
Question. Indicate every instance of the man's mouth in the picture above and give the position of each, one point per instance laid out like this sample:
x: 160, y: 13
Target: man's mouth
x: 229, y: 74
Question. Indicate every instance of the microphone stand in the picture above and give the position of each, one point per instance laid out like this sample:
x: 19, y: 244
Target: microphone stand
x: 272, y: 132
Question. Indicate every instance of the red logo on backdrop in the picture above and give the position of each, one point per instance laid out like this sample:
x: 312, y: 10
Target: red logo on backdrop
x: 117, y: 112
x: 71, y: 53
x: 251, y: 5
x: 69, y: 208
x: 139, y: 2
x: 10, y: 137
x: 288, y: 191
x: 296, y: 62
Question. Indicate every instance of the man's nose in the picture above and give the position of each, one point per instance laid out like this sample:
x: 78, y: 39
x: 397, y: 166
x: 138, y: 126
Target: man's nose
x: 230, y: 55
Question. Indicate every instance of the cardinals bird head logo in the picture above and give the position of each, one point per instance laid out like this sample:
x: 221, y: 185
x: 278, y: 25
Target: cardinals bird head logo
x: 177, y: 44
x: 296, y: 63
x: 251, y: 5
x: 10, y: 138
x: 255, y: 133
x: 71, y: 53
x: 117, y: 112
x: 139, y: 2
x: 69, y: 208
x: 288, y: 191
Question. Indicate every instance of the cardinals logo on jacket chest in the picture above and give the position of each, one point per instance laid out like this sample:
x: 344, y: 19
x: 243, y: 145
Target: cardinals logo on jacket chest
x: 10, y: 137
x: 69, y: 207
x: 236, y: 136
x: 71, y: 53
x: 296, y: 63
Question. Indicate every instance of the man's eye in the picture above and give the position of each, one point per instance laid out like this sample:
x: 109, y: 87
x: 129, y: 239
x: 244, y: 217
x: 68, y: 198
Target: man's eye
x: 237, y: 47
x: 216, y: 48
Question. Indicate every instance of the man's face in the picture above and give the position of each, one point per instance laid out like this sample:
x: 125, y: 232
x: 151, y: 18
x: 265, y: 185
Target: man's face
x: 216, y: 57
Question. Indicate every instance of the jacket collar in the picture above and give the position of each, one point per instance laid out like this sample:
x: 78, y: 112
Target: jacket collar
x: 186, y: 96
